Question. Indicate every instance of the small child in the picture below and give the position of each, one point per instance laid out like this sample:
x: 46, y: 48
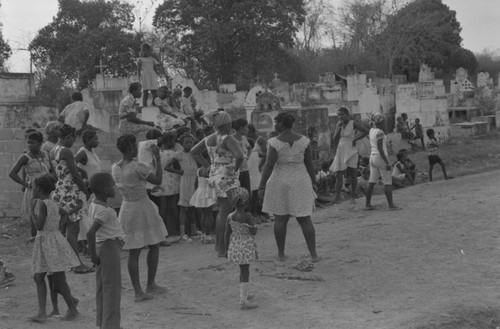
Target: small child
x: 324, y: 178
x: 240, y: 241
x: 6, y: 276
x: 52, y: 131
x: 400, y: 174
x: 168, y: 191
x: 105, y: 238
x: 203, y: 199
x: 146, y: 72
x: 51, y: 251
x: 187, y: 185
x: 419, y: 132
x: 432, y: 151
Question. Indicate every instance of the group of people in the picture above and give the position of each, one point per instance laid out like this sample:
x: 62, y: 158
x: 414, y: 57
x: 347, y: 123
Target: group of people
x: 228, y: 168
x: 188, y: 171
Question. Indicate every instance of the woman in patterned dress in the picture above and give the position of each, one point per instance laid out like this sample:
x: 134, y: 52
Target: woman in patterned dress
x: 289, y: 183
x: 224, y: 170
x: 138, y: 215
x: 70, y: 192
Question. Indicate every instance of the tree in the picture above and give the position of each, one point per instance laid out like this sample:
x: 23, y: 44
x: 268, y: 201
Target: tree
x: 424, y: 31
x: 5, y: 50
x: 222, y: 40
x: 83, y: 32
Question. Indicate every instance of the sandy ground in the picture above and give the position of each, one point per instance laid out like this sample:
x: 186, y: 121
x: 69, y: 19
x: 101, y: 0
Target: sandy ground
x: 433, y: 264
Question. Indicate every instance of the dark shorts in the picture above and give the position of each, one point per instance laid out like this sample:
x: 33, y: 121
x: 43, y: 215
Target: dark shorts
x: 433, y: 159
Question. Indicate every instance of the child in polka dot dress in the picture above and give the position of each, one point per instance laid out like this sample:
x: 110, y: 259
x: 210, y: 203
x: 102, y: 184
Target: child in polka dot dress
x: 240, y: 239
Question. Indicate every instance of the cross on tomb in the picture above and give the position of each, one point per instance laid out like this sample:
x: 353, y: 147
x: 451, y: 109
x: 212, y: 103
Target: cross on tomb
x: 101, y: 66
x: 276, y: 77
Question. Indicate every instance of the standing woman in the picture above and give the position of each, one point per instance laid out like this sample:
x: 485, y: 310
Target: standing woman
x: 224, y: 170
x: 139, y: 216
x: 129, y: 122
x: 35, y: 163
x: 346, y: 157
x: 70, y: 190
x: 289, y: 183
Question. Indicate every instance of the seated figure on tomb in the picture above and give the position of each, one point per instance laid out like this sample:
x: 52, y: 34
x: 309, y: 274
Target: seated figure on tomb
x: 76, y: 114
x: 168, y: 118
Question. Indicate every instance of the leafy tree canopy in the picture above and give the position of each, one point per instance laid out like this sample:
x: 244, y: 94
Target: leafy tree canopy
x: 226, y: 40
x: 424, y: 31
x: 83, y: 32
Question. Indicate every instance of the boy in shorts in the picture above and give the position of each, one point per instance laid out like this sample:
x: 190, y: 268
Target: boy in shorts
x: 379, y: 163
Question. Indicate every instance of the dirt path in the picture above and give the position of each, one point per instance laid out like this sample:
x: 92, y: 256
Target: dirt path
x: 433, y: 264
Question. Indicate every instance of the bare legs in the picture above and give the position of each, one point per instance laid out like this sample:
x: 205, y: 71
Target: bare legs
x: 351, y: 173
x: 280, y: 227
x: 41, y: 291
x: 431, y: 167
x: 72, y: 230
x: 133, y: 270
x: 387, y: 192
x: 220, y: 226
x: 339, y: 180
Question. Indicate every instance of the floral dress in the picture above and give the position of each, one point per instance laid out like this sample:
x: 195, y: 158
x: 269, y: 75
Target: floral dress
x: 222, y: 174
x: 242, y: 246
x: 51, y: 251
x: 67, y: 193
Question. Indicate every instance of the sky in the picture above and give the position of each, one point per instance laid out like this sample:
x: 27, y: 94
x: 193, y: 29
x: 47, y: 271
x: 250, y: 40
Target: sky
x: 22, y: 19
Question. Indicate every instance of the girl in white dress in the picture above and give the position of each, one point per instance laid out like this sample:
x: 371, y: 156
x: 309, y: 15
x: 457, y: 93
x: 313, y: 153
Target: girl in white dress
x: 203, y: 200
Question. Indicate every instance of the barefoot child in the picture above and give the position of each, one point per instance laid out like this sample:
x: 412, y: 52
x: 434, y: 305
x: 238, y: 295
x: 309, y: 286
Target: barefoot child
x: 51, y: 251
x: 203, y: 200
x: 432, y: 151
x: 105, y: 238
x: 146, y: 72
x: 240, y: 239
x: 187, y: 185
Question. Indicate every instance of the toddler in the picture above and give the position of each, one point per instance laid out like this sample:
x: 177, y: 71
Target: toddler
x: 240, y: 239
x: 203, y: 200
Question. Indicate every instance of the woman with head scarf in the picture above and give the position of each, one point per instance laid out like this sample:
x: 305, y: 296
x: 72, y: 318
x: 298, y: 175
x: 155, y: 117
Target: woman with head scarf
x: 226, y: 158
x: 379, y: 161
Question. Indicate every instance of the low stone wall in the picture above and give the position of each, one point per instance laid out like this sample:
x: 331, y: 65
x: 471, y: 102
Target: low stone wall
x: 12, y: 146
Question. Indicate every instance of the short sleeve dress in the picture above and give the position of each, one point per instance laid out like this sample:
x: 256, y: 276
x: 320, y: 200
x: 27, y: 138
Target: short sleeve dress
x: 149, y: 79
x: 138, y: 215
x: 204, y: 196
x: 242, y: 246
x: 289, y: 190
x: 51, y: 251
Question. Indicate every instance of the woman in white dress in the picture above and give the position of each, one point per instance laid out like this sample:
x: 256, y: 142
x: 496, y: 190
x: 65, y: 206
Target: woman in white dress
x: 346, y: 156
x: 289, y: 183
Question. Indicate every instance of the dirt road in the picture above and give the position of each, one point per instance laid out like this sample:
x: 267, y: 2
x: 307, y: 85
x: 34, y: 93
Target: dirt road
x: 434, y: 264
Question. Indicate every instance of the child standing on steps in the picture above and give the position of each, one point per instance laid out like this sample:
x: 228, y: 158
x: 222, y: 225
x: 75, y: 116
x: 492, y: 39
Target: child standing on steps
x: 187, y: 185
x: 51, y: 251
x: 105, y: 238
x: 146, y: 72
x: 240, y: 239
x: 203, y: 200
